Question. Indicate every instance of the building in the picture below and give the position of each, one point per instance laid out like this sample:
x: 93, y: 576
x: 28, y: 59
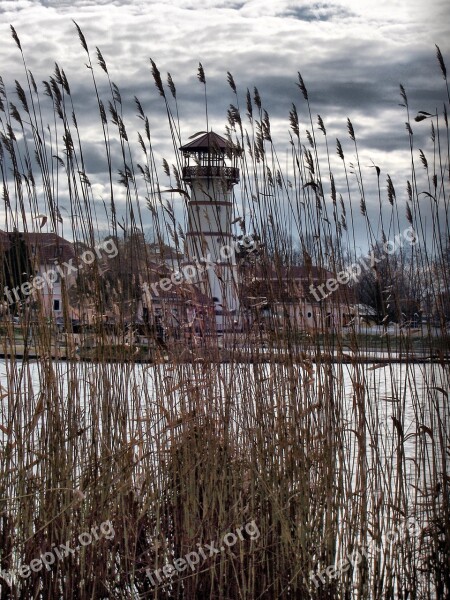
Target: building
x: 162, y: 254
x: 173, y: 307
x: 282, y: 297
x: 210, y: 170
x: 36, y: 271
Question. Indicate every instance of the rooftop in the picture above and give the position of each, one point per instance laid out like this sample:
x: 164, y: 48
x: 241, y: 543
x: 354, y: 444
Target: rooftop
x: 208, y: 143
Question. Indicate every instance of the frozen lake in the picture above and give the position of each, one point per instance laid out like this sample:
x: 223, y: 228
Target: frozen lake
x: 387, y: 427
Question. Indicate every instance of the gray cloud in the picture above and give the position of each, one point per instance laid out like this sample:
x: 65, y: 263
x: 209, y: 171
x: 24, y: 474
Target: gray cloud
x: 352, y: 56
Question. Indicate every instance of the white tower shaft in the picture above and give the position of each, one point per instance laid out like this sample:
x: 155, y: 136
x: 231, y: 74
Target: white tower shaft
x: 209, y: 237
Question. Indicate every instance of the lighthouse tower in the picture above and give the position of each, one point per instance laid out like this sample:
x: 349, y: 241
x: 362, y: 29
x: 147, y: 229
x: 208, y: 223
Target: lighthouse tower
x: 210, y: 170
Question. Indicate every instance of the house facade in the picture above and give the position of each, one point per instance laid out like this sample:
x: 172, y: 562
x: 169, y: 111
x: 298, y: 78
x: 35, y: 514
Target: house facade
x: 37, y: 270
x: 286, y: 296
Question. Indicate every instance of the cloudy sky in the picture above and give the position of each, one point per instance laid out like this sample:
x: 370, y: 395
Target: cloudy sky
x: 352, y: 55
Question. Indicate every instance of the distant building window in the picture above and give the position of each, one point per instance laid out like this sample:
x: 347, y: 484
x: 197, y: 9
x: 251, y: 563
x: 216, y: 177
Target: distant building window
x: 56, y: 305
x: 55, y: 276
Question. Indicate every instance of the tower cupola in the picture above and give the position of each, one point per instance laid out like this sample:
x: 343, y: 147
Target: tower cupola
x: 210, y: 155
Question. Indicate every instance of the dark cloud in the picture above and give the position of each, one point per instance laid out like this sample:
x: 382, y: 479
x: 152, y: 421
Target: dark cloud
x: 352, y: 58
x: 318, y: 12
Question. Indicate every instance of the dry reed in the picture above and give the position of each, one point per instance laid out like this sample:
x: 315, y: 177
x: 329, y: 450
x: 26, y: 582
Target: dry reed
x: 324, y: 453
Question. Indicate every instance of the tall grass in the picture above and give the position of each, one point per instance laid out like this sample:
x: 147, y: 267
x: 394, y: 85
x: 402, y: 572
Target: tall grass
x: 292, y: 431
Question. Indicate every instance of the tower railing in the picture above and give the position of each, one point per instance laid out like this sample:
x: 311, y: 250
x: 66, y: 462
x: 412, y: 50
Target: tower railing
x: 229, y: 174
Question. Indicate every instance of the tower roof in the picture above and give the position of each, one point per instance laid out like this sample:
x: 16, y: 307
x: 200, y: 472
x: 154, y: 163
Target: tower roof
x: 207, y: 142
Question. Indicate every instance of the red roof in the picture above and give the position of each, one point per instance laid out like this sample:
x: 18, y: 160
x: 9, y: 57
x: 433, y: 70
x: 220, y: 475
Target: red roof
x: 45, y: 246
x: 294, y: 272
x: 292, y: 283
x: 49, y: 247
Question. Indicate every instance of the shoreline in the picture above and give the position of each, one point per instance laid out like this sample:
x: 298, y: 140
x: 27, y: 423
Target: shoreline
x: 237, y: 357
